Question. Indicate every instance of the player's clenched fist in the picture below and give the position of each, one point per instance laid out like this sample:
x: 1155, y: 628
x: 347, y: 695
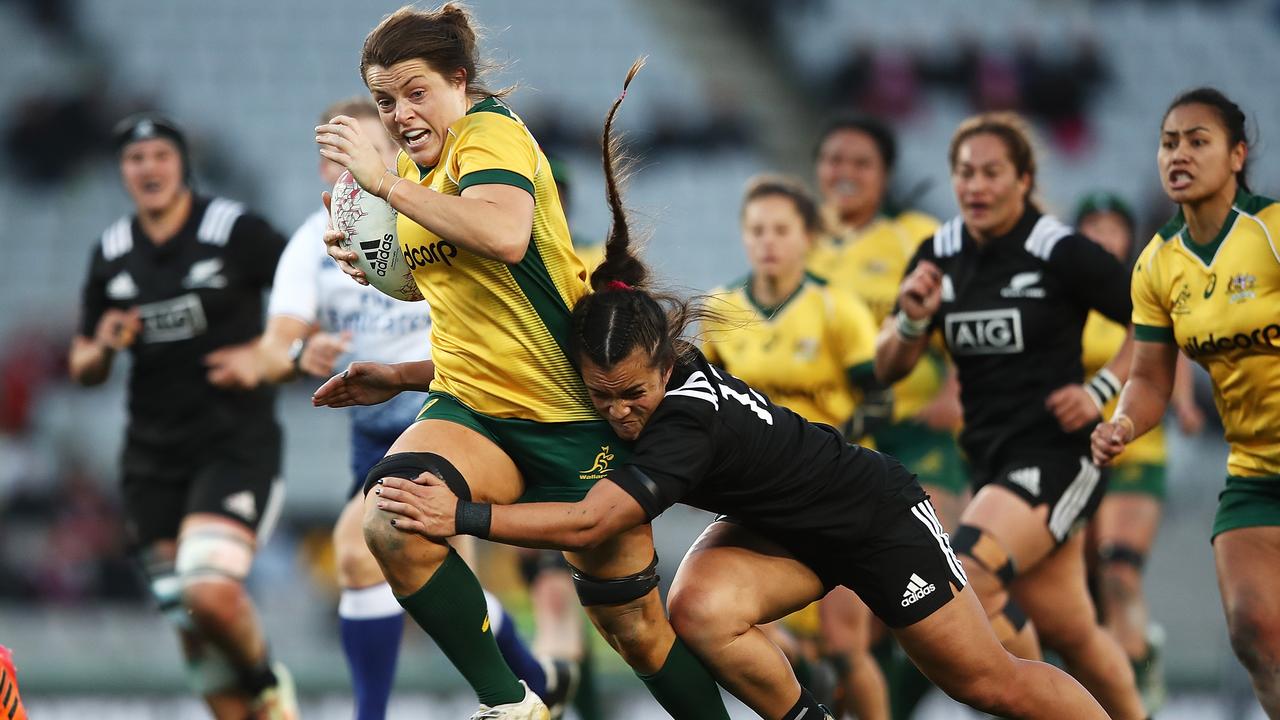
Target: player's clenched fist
x: 921, y: 293
x: 1109, y: 438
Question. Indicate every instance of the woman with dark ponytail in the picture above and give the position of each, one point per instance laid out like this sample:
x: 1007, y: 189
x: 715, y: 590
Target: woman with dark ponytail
x: 803, y: 510
x: 1209, y: 283
x: 507, y: 417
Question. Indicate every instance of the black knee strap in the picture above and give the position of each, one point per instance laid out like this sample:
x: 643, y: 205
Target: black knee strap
x: 615, y: 591
x: 984, y: 550
x: 1015, y: 615
x: 1121, y: 553
x: 409, y: 465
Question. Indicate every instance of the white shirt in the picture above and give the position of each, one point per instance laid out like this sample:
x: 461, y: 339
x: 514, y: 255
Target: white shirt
x: 310, y: 287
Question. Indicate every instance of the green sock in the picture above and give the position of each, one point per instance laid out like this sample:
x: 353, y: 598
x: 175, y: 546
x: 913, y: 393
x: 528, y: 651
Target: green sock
x: 684, y: 687
x: 450, y: 607
x: 587, y: 702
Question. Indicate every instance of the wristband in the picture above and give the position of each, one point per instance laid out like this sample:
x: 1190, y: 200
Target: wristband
x: 1126, y: 422
x: 473, y: 518
x: 393, y: 189
x: 295, y: 353
x: 381, y: 180
x: 912, y: 329
x: 1103, y: 386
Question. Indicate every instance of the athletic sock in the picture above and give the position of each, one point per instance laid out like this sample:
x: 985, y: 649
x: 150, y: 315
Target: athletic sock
x: 450, y: 607
x: 255, y: 679
x: 513, y: 648
x: 371, y: 623
x: 587, y: 701
x: 806, y: 707
x: 684, y: 687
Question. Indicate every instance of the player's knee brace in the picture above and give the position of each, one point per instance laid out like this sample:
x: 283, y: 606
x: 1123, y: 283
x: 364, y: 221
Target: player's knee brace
x: 986, y: 551
x: 409, y: 465
x: 1009, y: 621
x: 615, y: 591
x: 213, y: 552
x: 1122, y: 554
x: 210, y: 671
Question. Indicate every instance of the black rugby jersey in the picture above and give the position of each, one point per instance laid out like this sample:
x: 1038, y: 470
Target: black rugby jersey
x: 1012, y: 314
x: 199, y: 291
x: 716, y: 443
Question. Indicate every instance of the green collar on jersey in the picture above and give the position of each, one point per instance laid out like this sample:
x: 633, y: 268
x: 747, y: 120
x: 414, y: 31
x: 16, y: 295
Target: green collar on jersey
x: 1177, y: 226
x: 769, y: 312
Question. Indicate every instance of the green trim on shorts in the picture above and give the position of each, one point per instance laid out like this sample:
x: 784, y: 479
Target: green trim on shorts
x: 1247, y: 502
x: 933, y: 455
x: 559, y: 461
x: 1137, y: 479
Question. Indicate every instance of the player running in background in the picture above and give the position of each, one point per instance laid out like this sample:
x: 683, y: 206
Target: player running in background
x: 1209, y: 282
x: 1010, y: 289
x: 805, y: 511
x: 180, y: 278
x: 507, y: 417
x: 865, y: 251
x: 811, y: 350
x: 1124, y: 527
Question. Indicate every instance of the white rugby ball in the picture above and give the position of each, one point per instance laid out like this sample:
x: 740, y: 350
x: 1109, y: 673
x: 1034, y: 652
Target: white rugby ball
x: 369, y: 224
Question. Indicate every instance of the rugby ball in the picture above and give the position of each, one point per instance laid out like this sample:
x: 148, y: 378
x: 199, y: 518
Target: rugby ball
x: 369, y: 224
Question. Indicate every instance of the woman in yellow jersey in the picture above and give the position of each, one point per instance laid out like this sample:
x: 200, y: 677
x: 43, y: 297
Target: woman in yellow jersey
x: 1209, y: 282
x: 1125, y: 525
x: 865, y: 251
x: 507, y: 417
x: 811, y: 350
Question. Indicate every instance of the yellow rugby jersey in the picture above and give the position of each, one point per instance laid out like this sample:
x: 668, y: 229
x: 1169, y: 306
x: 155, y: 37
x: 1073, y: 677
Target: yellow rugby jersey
x: 499, y: 332
x: 870, y: 263
x: 1101, y: 339
x: 800, y: 353
x: 1220, y: 302
x: 590, y: 255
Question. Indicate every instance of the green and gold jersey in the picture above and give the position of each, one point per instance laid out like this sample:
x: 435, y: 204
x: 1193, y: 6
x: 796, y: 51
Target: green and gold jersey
x: 1101, y: 340
x: 1220, y: 302
x: 499, y: 332
x: 801, y: 353
x: 870, y: 263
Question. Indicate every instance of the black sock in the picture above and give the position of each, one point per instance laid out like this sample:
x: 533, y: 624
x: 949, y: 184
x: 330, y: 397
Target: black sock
x: 259, y: 677
x: 806, y: 708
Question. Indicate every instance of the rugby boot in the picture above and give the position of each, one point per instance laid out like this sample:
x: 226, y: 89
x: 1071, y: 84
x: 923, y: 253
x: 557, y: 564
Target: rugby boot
x: 529, y: 708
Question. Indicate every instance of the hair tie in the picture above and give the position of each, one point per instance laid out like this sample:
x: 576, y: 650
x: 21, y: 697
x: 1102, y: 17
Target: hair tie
x: 617, y: 285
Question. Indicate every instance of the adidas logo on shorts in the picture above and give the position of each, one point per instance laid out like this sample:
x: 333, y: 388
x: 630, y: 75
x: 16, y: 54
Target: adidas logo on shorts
x: 917, y: 588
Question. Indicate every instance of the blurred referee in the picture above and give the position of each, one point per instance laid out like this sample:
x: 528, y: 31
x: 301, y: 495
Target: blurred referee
x: 181, y: 277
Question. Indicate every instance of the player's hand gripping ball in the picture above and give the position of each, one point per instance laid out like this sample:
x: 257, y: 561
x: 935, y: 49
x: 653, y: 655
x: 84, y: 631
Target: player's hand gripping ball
x: 369, y: 224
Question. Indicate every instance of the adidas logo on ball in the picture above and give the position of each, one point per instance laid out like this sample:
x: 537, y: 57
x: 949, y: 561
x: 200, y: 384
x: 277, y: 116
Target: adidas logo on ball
x: 917, y: 588
x: 378, y: 253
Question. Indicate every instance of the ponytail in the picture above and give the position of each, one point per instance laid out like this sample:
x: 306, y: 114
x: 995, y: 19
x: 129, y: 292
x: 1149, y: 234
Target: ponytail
x: 620, y: 264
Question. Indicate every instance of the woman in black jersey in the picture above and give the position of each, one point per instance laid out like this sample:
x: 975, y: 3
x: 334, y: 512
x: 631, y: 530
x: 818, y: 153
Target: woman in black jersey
x: 1010, y: 288
x: 804, y: 511
x: 179, y: 278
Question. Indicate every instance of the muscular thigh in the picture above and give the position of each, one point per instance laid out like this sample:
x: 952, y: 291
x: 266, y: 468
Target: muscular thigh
x: 757, y: 575
x: 1020, y: 529
x: 489, y: 471
x: 1247, y: 559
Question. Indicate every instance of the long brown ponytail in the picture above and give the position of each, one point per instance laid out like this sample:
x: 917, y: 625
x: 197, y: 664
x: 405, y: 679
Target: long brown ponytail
x: 624, y: 313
